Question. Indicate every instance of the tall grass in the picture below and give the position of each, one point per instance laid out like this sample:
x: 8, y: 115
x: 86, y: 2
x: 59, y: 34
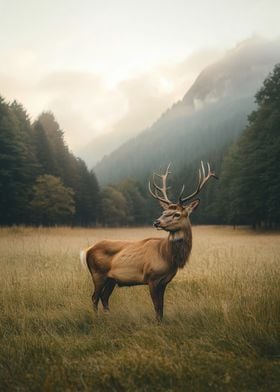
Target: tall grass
x: 220, y: 330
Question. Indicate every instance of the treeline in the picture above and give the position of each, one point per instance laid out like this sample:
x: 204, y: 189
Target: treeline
x: 41, y: 181
x: 126, y: 204
x: 210, y: 116
x: 247, y: 192
x: 250, y: 177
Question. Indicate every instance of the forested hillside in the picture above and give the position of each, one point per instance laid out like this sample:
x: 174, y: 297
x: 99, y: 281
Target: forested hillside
x: 203, y: 126
x: 41, y: 181
x: 250, y: 179
x: 209, y: 118
x: 248, y: 165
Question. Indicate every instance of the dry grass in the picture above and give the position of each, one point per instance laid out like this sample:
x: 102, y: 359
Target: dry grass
x: 220, y: 331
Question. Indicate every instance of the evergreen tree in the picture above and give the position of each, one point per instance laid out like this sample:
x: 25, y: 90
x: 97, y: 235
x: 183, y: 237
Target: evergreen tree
x: 62, y: 158
x: 250, y: 181
x: 44, y: 152
x: 27, y: 152
x: 17, y: 163
x: 86, y: 196
x: 56, y: 159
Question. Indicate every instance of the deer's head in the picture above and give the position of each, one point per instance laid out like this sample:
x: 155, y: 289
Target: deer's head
x: 175, y: 215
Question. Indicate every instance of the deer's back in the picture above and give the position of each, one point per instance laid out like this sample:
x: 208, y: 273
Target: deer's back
x: 100, y: 255
x: 127, y: 260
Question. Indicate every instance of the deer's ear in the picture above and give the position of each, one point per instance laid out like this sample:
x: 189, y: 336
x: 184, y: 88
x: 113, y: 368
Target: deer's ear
x: 193, y: 205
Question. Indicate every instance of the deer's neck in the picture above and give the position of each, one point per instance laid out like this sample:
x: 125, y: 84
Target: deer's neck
x: 179, y: 245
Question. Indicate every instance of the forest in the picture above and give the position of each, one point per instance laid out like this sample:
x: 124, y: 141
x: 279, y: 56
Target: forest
x: 43, y: 183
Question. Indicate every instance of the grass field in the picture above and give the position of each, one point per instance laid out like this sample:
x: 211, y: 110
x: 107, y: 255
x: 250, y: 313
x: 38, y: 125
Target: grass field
x: 220, y: 329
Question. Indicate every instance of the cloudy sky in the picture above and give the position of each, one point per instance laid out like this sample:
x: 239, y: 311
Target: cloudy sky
x: 102, y: 65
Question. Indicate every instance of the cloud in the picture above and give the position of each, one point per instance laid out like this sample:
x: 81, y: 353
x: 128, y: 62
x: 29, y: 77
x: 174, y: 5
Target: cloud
x: 150, y: 93
x: 147, y: 96
x: 86, y: 106
x: 82, y: 103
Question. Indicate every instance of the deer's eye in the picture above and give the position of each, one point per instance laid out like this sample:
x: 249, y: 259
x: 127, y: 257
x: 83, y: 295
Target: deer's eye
x: 177, y: 215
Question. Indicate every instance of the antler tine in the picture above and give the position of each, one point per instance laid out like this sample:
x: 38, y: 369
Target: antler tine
x: 154, y: 183
x: 181, y: 192
x: 163, y: 189
x: 202, y: 167
x: 182, y: 200
x: 164, y: 179
x: 202, y: 180
x: 155, y: 195
x: 212, y: 173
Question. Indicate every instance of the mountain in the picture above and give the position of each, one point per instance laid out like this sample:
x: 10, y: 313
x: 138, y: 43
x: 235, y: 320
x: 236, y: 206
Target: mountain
x: 202, y: 125
x: 144, y: 97
x: 101, y: 145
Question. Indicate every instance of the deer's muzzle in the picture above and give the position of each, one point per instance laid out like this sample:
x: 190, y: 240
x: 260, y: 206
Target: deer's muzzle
x: 156, y: 223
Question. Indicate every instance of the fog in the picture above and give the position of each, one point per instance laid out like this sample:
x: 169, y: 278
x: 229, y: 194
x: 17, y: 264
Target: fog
x: 87, y: 106
x: 116, y: 66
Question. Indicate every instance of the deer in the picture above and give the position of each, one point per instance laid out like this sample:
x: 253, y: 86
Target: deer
x: 151, y: 261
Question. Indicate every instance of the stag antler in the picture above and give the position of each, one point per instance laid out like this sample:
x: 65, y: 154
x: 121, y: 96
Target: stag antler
x: 163, y: 198
x: 202, y: 179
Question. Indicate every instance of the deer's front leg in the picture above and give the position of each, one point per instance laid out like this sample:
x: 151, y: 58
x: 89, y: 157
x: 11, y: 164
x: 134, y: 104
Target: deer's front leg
x: 157, y: 290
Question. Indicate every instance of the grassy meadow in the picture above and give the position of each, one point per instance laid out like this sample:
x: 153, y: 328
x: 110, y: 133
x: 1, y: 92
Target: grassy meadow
x: 220, y: 330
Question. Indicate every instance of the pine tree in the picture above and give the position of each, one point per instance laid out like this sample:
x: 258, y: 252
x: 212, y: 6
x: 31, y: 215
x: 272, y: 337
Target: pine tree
x: 18, y: 164
x: 250, y: 181
x: 29, y: 151
x: 86, y: 196
x: 56, y: 159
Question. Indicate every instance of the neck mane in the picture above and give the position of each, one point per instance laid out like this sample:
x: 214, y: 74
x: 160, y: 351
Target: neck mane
x: 179, y: 245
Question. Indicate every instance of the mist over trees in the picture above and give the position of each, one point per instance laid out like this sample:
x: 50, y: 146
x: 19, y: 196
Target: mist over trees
x: 250, y: 178
x: 211, y: 115
x: 239, y: 73
x: 246, y: 161
x: 42, y: 182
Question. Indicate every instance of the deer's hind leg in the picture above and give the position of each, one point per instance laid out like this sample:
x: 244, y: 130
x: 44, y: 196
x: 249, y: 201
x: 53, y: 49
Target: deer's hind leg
x: 106, y: 292
x: 99, y: 284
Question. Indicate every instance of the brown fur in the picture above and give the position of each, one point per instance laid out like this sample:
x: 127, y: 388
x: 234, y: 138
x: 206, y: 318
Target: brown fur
x: 152, y: 261
x: 181, y: 249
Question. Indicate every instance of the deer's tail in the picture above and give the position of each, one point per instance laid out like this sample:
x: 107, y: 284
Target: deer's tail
x: 83, y: 257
